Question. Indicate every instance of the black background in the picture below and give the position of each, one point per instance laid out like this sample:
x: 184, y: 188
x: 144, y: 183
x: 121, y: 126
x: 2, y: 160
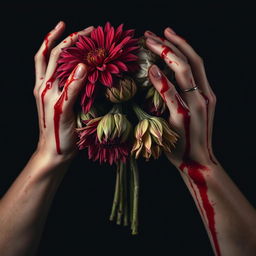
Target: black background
x: 169, y: 223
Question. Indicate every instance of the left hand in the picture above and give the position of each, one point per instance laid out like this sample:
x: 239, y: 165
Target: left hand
x: 48, y: 96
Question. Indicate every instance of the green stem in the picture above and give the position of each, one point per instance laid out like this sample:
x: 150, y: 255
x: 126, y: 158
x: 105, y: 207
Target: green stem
x: 116, y: 195
x: 125, y: 197
x: 134, y: 169
x: 121, y: 195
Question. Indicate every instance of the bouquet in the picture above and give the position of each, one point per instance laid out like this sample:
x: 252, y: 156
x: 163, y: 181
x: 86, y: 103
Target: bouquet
x: 121, y: 115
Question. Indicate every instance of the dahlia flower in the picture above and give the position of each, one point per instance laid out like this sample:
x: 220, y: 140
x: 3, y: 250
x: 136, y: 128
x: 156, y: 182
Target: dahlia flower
x: 108, y: 53
x: 106, y: 138
x: 152, y: 135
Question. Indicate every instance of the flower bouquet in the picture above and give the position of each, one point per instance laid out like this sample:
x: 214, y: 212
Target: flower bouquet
x: 120, y: 117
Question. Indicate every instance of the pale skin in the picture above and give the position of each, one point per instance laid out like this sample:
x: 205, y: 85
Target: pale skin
x: 24, y: 207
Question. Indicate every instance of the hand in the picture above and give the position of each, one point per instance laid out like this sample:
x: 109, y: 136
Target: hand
x: 192, y: 112
x: 55, y: 108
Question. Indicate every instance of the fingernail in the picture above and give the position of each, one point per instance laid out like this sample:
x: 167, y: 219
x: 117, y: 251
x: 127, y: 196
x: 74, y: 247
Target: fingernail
x: 151, y: 41
x: 155, y: 72
x: 80, y: 72
x: 89, y: 28
x: 58, y: 25
x: 171, y: 31
x: 150, y: 33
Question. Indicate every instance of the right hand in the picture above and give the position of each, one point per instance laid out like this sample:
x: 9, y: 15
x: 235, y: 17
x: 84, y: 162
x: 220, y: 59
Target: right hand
x: 191, y: 113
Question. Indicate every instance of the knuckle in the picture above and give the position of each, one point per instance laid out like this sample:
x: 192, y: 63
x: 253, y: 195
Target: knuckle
x: 185, y: 68
x: 35, y: 93
x: 213, y: 99
x: 199, y: 60
x: 55, y: 52
x: 37, y: 57
x: 200, y: 106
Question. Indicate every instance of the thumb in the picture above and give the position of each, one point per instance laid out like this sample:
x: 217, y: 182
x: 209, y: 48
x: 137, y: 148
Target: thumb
x: 74, y: 85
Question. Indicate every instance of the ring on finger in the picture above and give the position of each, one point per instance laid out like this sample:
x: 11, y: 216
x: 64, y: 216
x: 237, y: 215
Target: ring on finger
x: 191, y: 89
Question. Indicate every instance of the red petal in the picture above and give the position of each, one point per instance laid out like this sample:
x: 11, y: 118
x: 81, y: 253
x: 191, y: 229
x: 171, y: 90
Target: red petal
x: 121, y: 65
x: 112, y: 69
x: 89, y: 42
x: 89, y: 89
x: 107, y: 27
x: 109, y: 38
x: 118, y: 48
x: 98, y: 36
x: 129, y: 57
x: 106, y: 78
x: 93, y: 77
x: 129, y: 32
x: 119, y: 31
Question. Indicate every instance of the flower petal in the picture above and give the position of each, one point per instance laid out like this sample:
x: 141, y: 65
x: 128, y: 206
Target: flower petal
x: 112, y: 68
x: 121, y: 65
x: 106, y: 78
x: 93, y: 77
x: 98, y: 36
x: 89, y: 89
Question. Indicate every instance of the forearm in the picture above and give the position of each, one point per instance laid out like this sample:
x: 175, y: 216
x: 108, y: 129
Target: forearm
x: 229, y: 218
x: 24, y: 208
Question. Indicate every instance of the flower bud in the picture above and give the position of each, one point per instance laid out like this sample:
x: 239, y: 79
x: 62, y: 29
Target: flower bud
x: 113, y: 126
x: 124, y: 90
x: 155, y: 103
x: 83, y: 118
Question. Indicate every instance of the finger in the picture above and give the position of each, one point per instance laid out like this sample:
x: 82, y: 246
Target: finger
x: 166, y: 89
x: 55, y: 53
x: 72, y: 88
x: 42, y: 55
x: 194, y: 59
x: 164, y: 41
x: 182, y: 70
x: 199, y: 73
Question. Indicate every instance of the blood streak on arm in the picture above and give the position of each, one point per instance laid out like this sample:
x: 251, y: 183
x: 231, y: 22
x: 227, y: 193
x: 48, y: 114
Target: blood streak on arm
x: 195, y: 173
x: 71, y: 36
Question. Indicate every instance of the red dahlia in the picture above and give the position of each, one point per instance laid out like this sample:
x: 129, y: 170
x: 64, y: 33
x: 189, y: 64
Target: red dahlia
x: 107, y: 53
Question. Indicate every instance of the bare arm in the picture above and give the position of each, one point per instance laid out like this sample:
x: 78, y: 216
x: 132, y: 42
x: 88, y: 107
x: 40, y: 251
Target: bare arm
x: 24, y: 207
x: 229, y: 218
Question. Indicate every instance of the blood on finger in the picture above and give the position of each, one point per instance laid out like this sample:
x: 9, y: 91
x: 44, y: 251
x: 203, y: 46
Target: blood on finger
x: 165, y: 87
x: 71, y: 36
x: 46, y: 42
x: 164, y: 54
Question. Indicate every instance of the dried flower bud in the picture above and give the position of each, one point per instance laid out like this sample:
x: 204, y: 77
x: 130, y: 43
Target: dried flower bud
x: 113, y: 126
x: 124, y: 90
x: 83, y: 118
x: 152, y: 135
x: 155, y: 103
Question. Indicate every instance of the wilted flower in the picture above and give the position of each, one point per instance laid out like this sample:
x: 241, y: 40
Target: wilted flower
x: 83, y: 118
x: 152, y: 135
x: 146, y: 59
x: 106, y: 138
x: 155, y: 104
x: 124, y: 90
x: 107, y: 53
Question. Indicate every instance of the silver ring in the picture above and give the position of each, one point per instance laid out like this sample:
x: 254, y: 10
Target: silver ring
x: 191, y: 89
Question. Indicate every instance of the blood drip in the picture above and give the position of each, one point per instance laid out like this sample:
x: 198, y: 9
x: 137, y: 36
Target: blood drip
x: 46, y: 41
x: 58, y: 107
x: 165, y: 51
x: 195, y: 174
x: 48, y: 86
x: 71, y: 36
x: 165, y: 87
x: 207, y: 127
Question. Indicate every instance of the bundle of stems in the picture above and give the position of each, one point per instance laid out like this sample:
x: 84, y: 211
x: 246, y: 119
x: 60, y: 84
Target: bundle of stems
x: 122, y: 211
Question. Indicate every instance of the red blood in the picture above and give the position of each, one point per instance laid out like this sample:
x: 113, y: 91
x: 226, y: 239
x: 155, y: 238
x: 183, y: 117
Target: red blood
x: 162, y: 39
x: 165, y: 87
x: 165, y: 51
x: 64, y: 41
x: 41, y: 78
x: 58, y: 107
x: 186, y: 121
x: 71, y: 35
x: 195, y: 173
x: 48, y: 86
x: 207, y: 127
x: 46, y: 41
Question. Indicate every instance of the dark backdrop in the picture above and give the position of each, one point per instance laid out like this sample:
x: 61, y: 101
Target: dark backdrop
x: 169, y: 223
